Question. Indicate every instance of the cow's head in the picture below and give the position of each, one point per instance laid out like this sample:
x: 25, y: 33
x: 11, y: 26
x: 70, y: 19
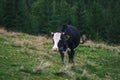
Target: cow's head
x: 59, y: 40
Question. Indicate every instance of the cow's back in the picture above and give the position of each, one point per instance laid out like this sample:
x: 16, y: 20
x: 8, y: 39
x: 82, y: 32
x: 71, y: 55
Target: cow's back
x: 74, y: 35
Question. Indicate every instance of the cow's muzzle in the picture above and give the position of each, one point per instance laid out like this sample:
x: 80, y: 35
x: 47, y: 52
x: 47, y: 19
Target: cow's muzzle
x: 54, y: 49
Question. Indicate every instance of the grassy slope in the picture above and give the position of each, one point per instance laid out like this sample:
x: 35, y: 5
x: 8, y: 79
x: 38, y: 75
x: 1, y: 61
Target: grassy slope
x: 25, y: 57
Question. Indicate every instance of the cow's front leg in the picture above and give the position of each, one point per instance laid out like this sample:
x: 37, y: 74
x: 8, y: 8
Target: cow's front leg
x: 71, y: 56
x: 62, y: 56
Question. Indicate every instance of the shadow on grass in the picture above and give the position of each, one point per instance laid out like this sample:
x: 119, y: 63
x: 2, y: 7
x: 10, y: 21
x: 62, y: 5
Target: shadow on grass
x: 31, y: 72
x: 77, y: 69
x: 62, y: 74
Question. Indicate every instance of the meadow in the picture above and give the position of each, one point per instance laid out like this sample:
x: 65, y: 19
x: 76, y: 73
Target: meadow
x: 28, y: 57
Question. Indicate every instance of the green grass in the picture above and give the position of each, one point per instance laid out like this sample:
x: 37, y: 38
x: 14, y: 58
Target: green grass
x: 28, y: 63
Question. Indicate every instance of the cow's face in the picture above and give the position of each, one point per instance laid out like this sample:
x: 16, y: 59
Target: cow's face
x: 56, y: 39
x: 59, y: 40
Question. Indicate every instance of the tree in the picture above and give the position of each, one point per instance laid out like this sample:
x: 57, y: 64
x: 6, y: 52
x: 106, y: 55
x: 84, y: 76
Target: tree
x: 9, y: 14
x: 96, y: 24
x: 64, y: 12
x: 23, y: 17
x: 54, y: 18
x: 16, y: 15
x: 41, y: 11
x: 80, y: 17
x: 98, y: 19
x: 113, y: 22
x: 1, y: 11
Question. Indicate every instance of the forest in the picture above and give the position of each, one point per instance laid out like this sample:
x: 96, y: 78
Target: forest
x: 99, y: 20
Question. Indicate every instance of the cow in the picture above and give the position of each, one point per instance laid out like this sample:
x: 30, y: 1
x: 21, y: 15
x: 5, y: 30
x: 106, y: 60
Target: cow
x: 83, y: 39
x: 66, y: 39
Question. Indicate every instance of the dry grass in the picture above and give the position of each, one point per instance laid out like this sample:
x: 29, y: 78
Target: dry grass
x: 35, y: 41
x: 2, y: 31
x: 41, y: 66
x: 5, y: 33
x: 38, y: 41
x: 102, y: 45
x: 66, y: 70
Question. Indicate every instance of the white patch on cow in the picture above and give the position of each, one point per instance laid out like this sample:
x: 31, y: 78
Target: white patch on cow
x: 56, y: 38
x: 68, y: 49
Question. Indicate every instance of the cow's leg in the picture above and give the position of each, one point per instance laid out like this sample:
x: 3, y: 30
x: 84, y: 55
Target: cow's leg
x: 62, y: 56
x: 69, y: 54
x: 72, y: 55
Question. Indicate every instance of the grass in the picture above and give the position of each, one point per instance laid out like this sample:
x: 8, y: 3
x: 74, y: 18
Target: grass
x: 26, y: 57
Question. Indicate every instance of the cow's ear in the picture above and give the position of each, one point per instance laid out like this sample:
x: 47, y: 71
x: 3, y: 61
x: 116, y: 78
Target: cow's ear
x: 66, y: 37
x: 52, y: 33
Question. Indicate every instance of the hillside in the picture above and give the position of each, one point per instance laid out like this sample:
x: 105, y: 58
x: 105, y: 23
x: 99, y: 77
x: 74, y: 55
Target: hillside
x: 28, y: 57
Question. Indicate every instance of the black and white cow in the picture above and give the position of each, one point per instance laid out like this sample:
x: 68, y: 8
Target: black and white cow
x: 67, y: 38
